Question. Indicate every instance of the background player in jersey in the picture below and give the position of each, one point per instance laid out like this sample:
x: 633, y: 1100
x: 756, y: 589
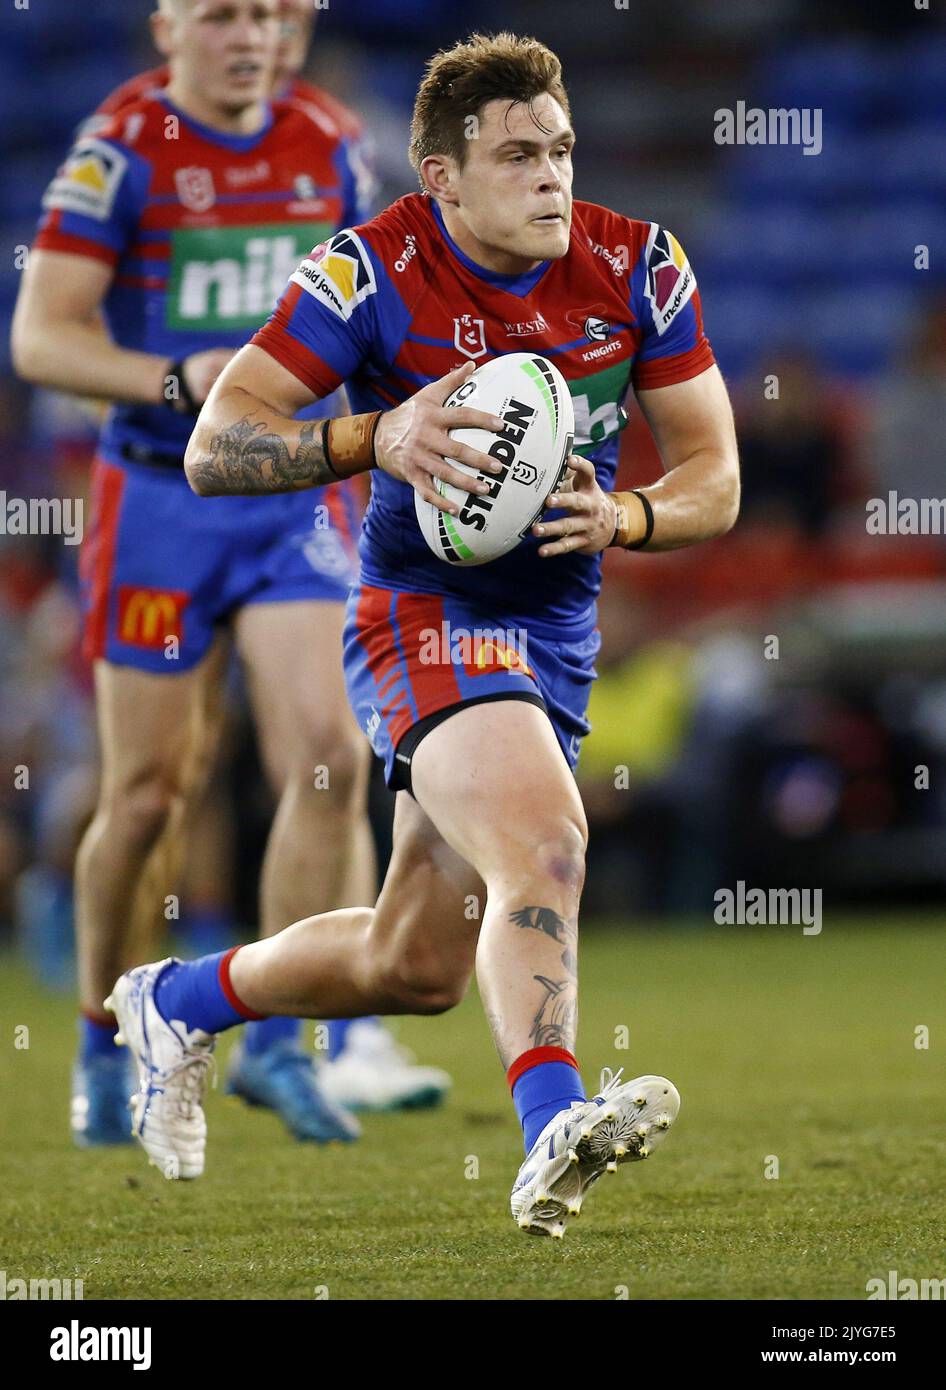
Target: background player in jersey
x: 174, y: 218
x: 366, y: 1069
x: 296, y: 28
x: 482, y: 759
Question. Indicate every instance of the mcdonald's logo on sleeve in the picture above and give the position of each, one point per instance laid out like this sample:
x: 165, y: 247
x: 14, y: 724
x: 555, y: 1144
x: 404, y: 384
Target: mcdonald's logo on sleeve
x: 148, y: 617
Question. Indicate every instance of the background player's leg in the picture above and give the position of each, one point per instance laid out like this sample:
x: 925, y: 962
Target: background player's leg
x: 151, y: 730
x: 164, y: 871
x: 315, y: 757
x: 320, y: 843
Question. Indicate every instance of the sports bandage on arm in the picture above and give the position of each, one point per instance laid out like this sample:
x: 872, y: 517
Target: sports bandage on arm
x: 183, y: 401
x: 348, y: 443
x: 635, y: 520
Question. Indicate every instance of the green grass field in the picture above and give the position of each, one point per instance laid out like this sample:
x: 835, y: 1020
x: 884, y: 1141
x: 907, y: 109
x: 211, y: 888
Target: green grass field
x: 785, y: 1045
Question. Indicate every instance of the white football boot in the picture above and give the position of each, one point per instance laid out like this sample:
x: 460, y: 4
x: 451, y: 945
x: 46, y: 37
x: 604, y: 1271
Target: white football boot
x: 374, y: 1072
x: 622, y: 1124
x: 172, y: 1065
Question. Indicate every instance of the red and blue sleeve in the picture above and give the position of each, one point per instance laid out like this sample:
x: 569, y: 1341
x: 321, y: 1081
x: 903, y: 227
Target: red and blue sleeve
x: 94, y: 203
x: 666, y: 303
x: 338, y: 311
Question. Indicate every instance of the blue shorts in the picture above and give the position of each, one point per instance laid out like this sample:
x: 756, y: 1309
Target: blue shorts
x: 412, y: 659
x: 162, y: 568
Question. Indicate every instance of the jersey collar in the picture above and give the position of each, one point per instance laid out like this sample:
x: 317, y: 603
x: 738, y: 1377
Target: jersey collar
x: 237, y: 143
x: 519, y: 285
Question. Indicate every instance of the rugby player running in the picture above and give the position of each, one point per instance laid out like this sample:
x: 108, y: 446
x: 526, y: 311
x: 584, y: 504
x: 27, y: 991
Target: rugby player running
x: 482, y: 758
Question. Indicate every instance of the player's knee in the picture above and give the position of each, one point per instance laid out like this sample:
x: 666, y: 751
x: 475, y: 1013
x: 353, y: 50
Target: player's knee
x: 420, y: 983
x: 548, y: 855
x: 138, y: 814
x: 559, y: 851
x: 344, y: 754
x: 328, y: 757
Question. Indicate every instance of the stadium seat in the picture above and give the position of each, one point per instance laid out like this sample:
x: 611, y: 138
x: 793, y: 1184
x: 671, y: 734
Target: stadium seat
x: 909, y: 161
x: 764, y: 173
x: 878, y: 243
x: 858, y: 335
x: 776, y: 244
x: 921, y: 85
x: 848, y: 79
x: 740, y: 324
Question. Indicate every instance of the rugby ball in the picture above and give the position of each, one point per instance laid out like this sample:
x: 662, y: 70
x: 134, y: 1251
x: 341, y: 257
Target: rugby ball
x: 532, y: 397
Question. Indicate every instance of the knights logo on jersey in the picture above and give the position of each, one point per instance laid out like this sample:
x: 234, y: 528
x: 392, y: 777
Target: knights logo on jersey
x: 469, y: 336
x: 195, y: 188
x: 590, y: 322
x: 670, y: 281
x: 88, y: 181
x: 339, y: 275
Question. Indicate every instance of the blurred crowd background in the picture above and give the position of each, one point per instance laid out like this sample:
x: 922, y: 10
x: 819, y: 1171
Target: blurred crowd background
x: 718, y: 753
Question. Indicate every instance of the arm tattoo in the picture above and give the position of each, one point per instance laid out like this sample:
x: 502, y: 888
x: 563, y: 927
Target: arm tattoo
x: 554, y: 1024
x: 545, y: 920
x: 242, y: 459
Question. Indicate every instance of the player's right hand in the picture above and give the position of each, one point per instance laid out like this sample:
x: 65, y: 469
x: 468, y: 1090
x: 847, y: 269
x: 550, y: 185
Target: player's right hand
x: 412, y: 442
x: 201, y: 370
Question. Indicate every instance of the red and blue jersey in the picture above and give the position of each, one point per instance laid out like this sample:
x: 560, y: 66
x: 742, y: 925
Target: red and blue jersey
x: 148, y: 83
x: 393, y: 304
x: 201, y: 228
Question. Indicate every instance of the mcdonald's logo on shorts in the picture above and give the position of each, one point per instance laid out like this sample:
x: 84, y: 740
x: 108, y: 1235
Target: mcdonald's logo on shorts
x: 148, y: 617
x: 491, y: 654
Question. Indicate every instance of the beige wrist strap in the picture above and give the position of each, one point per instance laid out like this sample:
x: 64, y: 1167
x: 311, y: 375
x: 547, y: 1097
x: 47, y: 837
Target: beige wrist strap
x: 348, y: 443
x: 635, y: 520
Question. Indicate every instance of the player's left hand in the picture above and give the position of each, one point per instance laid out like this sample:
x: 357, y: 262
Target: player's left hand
x: 593, y: 517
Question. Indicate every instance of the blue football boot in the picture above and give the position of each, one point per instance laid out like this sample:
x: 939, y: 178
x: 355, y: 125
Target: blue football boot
x: 284, y: 1078
x: 101, y: 1090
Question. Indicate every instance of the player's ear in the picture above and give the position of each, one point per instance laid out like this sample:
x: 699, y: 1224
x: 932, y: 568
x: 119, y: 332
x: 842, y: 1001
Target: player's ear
x: 438, y: 172
x: 161, y: 22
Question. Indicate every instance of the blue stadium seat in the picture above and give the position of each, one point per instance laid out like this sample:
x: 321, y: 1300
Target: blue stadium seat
x: 921, y: 77
x: 878, y: 243
x: 62, y: 27
x: 849, y: 79
x: 778, y: 244
x: 742, y: 321
x: 26, y: 180
x: 859, y: 334
x: 784, y: 173
x: 909, y: 161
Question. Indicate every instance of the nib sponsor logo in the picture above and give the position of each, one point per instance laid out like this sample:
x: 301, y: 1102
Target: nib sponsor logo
x: 231, y: 277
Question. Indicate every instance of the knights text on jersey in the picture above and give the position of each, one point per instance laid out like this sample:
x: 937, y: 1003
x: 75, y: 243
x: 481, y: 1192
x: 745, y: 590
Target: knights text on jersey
x: 202, y: 229
x: 394, y: 304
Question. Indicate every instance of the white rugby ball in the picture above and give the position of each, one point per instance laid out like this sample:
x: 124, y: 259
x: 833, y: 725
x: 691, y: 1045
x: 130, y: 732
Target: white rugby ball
x: 531, y: 395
